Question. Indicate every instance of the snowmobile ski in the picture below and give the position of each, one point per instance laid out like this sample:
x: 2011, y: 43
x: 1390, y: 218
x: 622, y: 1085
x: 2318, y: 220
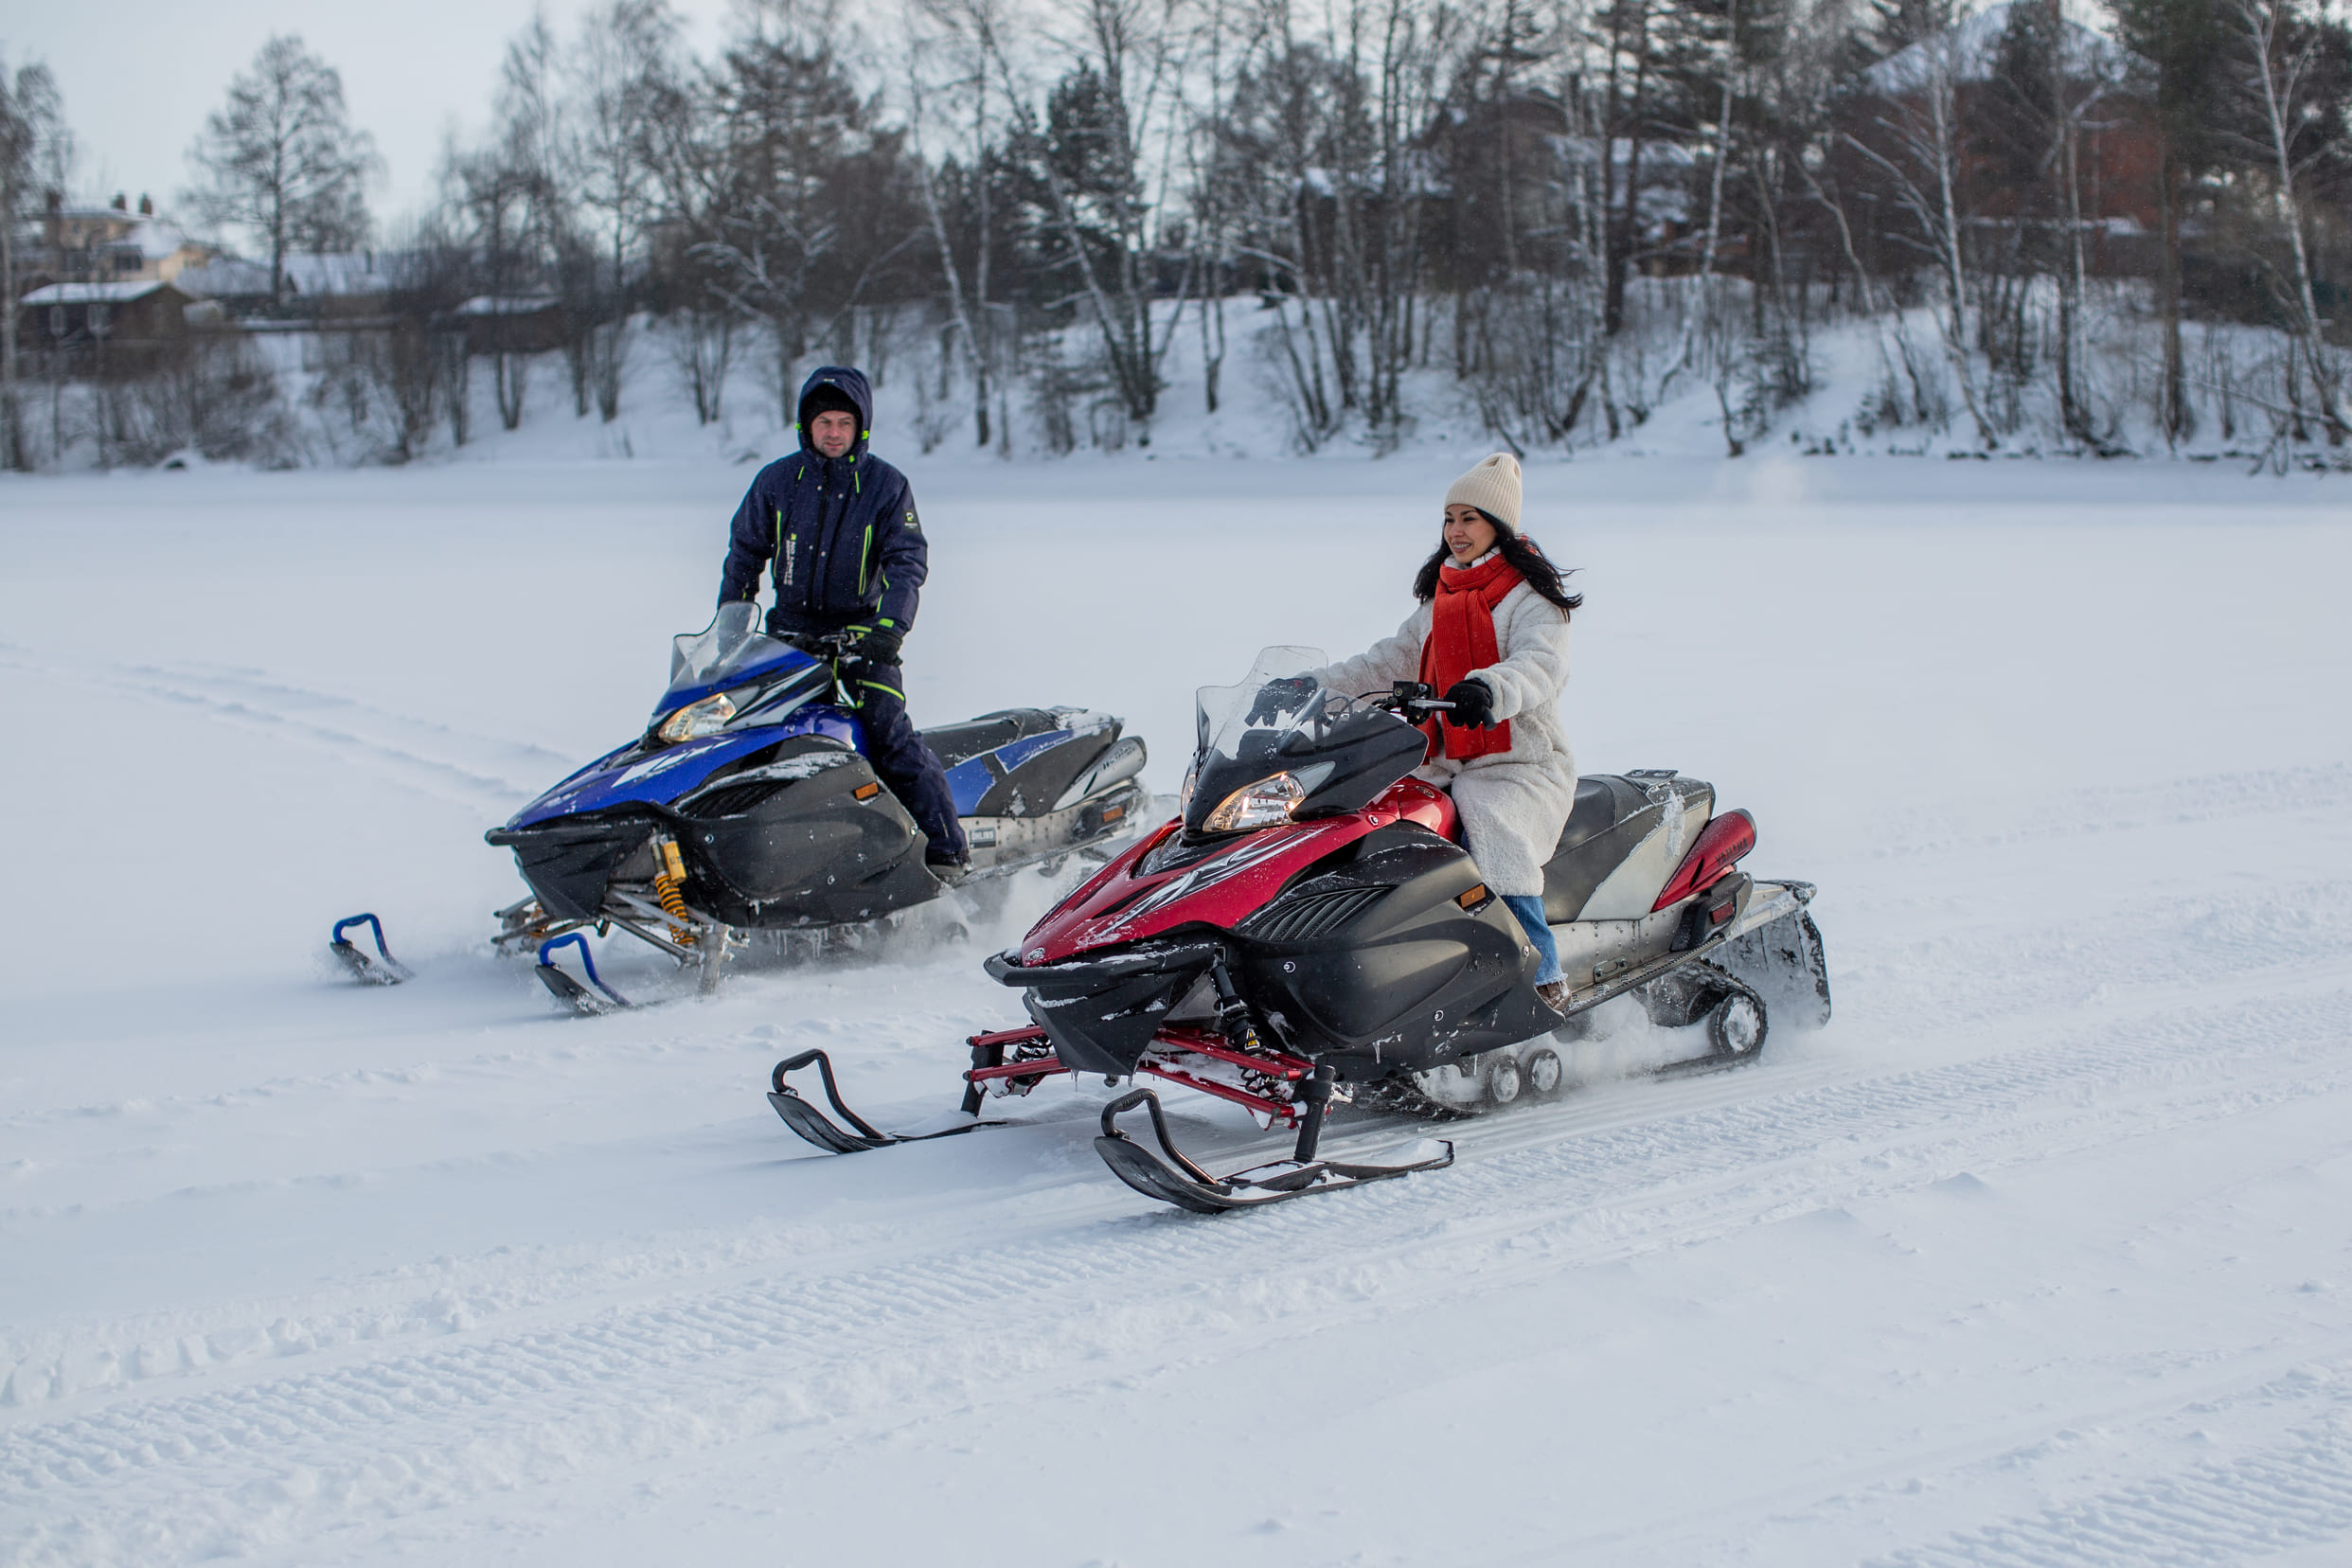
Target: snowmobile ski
x: 381, y: 969
x: 1180, y: 1180
x: 820, y: 1129
x: 604, y: 999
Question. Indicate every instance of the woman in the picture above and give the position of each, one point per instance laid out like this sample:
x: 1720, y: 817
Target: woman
x: 1492, y: 635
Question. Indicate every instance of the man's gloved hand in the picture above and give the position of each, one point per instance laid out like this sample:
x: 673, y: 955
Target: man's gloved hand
x: 1278, y: 697
x: 879, y: 646
x: 1473, y: 704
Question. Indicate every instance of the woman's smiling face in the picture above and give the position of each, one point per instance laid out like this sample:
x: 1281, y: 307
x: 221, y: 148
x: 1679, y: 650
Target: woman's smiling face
x: 1469, y: 535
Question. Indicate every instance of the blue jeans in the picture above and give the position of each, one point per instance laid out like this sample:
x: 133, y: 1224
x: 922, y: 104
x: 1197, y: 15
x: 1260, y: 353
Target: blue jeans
x: 1529, y: 908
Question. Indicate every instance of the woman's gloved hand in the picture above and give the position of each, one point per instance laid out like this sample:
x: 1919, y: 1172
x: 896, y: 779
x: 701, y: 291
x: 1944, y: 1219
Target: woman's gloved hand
x: 1473, y: 704
x: 1278, y: 697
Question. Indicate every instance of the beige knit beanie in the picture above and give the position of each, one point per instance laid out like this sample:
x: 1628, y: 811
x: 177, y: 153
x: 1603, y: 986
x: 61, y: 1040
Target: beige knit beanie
x: 1492, y: 487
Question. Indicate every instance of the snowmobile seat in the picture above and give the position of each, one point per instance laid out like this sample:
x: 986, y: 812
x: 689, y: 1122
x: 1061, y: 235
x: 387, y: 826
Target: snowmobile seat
x: 992, y: 771
x: 1612, y: 815
x: 954, y: 743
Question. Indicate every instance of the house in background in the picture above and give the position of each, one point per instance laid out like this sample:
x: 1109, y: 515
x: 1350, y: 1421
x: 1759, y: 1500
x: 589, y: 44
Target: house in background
x: 335, y: 287
x: 108, y: 245
x: 121, y: 326
x: 512, y: 323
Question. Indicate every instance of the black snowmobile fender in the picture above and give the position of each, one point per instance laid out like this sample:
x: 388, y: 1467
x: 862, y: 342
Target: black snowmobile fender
x: 1105, y: 969
x: 1101, y: 1012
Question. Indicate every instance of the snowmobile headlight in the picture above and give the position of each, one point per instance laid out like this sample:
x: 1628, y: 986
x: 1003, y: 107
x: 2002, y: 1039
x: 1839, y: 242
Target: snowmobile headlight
x: 696, y: 720
x: 1258, y: 805
x: 1183, y: 793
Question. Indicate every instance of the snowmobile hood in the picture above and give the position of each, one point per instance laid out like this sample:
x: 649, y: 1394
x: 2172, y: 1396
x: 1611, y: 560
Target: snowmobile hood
x: 633, y: 777
x: 848, y: 383
x: 1220, y: 886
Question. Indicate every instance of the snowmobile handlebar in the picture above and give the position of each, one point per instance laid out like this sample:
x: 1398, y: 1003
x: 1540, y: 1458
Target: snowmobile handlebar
x: 825, y: 645
x: 1411, y: 698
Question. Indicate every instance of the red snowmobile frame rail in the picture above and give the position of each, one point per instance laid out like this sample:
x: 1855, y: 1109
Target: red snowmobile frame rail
x: 1179, y: 1039
x: 1196, y: 1058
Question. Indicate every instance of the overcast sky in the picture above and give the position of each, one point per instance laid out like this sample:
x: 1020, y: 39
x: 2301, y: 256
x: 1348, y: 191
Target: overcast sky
x: 138, y: 76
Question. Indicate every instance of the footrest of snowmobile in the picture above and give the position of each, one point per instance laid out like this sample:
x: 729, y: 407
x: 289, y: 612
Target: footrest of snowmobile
x: 604, y: 999
x: 820, y: 1129
x: 380, y: 970
x: 1179, y: 1181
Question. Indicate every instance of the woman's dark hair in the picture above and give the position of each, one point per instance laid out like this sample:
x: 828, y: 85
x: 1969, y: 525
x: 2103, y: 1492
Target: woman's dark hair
x: 1548, y: 580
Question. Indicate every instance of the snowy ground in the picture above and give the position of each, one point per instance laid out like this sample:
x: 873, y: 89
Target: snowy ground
x: 2039, y: 1254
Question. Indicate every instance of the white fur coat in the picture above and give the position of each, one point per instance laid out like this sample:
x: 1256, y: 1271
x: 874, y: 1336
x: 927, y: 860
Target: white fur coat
x: 1514, y: 803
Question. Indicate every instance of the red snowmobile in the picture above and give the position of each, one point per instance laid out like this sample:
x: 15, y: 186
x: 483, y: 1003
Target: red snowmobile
x: 1311, y: 931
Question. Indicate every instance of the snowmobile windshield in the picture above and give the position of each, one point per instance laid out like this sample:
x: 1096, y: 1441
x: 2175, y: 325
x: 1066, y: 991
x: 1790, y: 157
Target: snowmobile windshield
x: 729, y: 651
x: 1281, y: 746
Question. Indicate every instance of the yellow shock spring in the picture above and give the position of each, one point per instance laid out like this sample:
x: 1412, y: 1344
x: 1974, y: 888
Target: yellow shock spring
x: 670, y: 886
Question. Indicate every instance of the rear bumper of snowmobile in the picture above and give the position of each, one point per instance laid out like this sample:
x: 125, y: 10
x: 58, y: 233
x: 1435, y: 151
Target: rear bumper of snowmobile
x: 1757, y: 904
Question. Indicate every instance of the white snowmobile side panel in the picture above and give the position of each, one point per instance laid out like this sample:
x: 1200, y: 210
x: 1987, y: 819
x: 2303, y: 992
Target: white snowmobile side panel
x: 1627, y: 893
x: 1588, y: 946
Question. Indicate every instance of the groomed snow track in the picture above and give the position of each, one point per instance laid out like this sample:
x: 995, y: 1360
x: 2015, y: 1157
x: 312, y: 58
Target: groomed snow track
x: 877, y: 1334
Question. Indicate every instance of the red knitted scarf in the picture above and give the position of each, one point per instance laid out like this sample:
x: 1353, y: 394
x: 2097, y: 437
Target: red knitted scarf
x: 1461, y: 639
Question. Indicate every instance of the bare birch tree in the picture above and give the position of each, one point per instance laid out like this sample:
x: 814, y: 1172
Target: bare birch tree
x: 282, y: 159
x: 2278, y: 69
x: 31, y: 124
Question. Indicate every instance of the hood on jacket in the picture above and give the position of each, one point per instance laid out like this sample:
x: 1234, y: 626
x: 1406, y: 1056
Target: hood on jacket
x: 850, y: 383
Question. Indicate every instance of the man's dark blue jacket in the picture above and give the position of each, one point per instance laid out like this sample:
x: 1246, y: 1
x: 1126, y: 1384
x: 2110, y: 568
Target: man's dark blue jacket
x: 839, y: 534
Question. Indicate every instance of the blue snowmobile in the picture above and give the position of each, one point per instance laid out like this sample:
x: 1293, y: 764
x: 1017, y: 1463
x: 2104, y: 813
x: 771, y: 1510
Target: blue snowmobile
x: 747, y: 811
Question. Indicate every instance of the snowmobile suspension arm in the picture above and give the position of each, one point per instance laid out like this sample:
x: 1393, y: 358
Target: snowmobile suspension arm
x: 1181, y: 1039
x: 1316, y: 1092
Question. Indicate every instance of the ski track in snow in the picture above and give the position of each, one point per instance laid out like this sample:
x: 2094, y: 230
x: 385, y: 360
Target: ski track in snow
x: 1535, y: 1194
x: 434, y: 759
x: 2295, y: 1493
x: 1942, y: 984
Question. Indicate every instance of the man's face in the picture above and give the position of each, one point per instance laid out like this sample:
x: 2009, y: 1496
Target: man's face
x: 833, y: 432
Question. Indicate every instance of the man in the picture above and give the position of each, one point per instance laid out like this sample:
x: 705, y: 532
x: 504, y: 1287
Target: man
x: 835, y: 527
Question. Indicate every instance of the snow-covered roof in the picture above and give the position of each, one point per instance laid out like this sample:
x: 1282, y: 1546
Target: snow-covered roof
x: 342, y: 273
x: 155, y: 239
x: 1971, y: 49
x: 90, y: 293
x: 490, y: 305
x: 225, y: 275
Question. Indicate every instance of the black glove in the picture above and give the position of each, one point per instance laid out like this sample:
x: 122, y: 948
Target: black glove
x: 1473, y: 704
x: 1278, y: 697
x: 879, y: 646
